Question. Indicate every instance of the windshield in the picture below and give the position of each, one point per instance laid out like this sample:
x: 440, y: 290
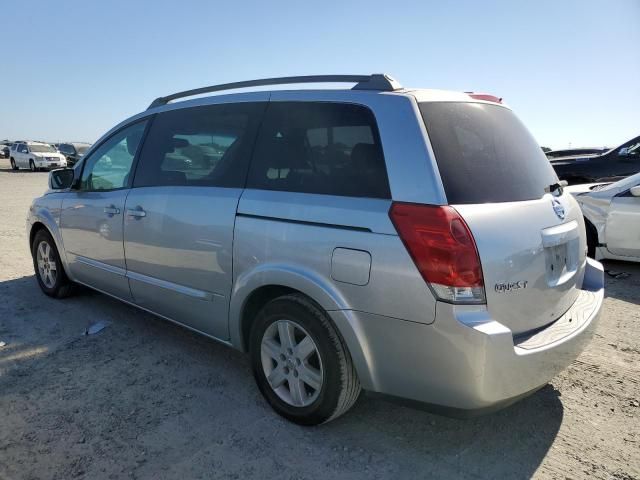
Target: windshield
x: 42, y: 149
x: 81, y: 149
x: 633, y: 150
x: 485, y: 154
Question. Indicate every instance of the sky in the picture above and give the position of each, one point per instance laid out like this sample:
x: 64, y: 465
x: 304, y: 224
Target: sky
x: 73, y: 69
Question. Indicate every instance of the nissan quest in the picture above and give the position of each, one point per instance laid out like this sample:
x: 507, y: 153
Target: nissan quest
x: 409, y: 242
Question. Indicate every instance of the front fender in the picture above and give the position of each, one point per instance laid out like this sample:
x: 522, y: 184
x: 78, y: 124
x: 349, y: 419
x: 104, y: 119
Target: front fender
x: 46, y: 210
x: 310, y: 283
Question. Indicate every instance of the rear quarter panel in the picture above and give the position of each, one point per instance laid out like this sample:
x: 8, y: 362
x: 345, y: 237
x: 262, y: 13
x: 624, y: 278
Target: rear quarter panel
x: 285, y: 239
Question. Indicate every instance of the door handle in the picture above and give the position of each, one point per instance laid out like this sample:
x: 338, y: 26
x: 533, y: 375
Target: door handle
x: 111, y: 210
x: 137, y: 212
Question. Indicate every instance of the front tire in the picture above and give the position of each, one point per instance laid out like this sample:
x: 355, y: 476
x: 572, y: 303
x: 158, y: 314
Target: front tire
x: 300, y: 362
x: 50, y: 273
x: 32, y: 166
x: 13, y: 164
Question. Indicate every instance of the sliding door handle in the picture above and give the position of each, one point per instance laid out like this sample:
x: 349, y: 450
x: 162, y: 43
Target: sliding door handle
x: 111, y: 210
x: 137, y: 212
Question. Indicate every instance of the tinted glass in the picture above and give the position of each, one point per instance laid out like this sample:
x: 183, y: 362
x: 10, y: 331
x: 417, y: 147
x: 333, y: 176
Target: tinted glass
x: 485, y: 154
x: 200, y: 146
x: 23, y: 149
x: 109, y: 167
x: 42, y: 148
x: 324, y: 148
x: 631, y: 150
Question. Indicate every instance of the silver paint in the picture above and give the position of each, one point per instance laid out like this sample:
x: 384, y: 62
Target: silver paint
x: 195, y: 255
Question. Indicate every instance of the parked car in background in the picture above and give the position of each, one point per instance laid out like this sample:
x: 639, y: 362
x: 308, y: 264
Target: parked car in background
x: 572, y: 152
x: 612, y: 217
x: 338, y: 265
x: 615, y: 164
x: 35, y: 156
x: 73, y: 151
x: 4, y: 150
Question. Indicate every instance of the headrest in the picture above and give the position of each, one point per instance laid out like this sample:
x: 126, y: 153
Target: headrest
x: 133, y: 140
x: 285, y: 152
x: 179, y: 143
x: 365, y: 155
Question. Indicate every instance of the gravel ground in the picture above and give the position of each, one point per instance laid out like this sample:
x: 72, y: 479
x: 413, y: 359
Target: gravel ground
x: 146, y: 399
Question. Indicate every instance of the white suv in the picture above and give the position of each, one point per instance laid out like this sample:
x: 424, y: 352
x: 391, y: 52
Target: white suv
x: 35, y: 155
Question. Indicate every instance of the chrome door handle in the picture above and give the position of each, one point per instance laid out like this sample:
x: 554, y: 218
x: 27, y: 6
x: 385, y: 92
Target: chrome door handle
x: 137, y: 212
x: 111, y: 210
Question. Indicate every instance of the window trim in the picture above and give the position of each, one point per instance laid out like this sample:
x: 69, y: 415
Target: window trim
x: 134, y: 163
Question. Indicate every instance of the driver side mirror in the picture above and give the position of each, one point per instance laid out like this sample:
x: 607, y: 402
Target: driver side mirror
x: 635, y: 191
x: 61, y: 178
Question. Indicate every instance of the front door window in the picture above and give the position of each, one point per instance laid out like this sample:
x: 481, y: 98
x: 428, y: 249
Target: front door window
x: 109, y: 167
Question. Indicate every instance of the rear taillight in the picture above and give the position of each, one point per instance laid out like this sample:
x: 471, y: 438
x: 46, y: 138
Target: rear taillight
x: 443, y: 249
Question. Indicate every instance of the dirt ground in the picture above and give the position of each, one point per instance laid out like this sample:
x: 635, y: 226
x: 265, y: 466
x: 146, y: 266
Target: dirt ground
x: 146, y: 399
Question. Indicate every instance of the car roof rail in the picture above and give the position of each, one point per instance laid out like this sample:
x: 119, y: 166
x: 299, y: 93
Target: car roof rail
x: 376, y: 81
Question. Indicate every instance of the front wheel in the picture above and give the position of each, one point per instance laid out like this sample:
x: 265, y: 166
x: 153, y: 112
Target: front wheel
x: 50, y: 273
x: 32, y: 166
x: 300, y: 362
x: 13, y: 164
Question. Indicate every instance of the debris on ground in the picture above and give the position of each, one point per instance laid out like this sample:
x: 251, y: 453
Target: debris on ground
x: 95, y: 328
x: 614, y: 274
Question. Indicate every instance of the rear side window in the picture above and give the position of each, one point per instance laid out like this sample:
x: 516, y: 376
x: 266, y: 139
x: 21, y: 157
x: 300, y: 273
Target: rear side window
x: 322, y: 148
x: 485, y: 154
x: 199, y: 146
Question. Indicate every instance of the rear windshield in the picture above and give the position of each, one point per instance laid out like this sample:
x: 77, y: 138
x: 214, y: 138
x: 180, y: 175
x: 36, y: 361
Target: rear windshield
x: 485, y: 154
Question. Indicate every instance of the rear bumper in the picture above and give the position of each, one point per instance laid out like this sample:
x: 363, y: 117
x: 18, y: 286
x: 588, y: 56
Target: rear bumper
x: 465, y: 361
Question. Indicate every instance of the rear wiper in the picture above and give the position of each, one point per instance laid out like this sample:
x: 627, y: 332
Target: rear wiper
x: 556, y: 187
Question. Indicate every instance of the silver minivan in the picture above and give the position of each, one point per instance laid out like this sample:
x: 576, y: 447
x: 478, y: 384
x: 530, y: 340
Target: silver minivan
x: 413, y: 243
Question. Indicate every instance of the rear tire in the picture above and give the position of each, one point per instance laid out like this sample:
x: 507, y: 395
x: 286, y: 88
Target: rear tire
x: 300, y: 363
x: 13, y: 164
x: 50, y: 273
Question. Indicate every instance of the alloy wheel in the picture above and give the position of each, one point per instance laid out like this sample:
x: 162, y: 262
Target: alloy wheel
x: 291, y: 363
x: 47, y: 267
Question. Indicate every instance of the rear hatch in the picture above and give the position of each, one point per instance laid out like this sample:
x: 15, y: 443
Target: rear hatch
x: 531, y: 243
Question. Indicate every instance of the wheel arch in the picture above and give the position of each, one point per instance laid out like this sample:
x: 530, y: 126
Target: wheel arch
x: 592, y: 237
x: 255, y: 289
x: 44, y: 221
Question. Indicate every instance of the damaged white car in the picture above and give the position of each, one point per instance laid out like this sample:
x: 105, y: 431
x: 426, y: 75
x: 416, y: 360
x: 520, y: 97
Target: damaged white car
x: 612, y: 217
